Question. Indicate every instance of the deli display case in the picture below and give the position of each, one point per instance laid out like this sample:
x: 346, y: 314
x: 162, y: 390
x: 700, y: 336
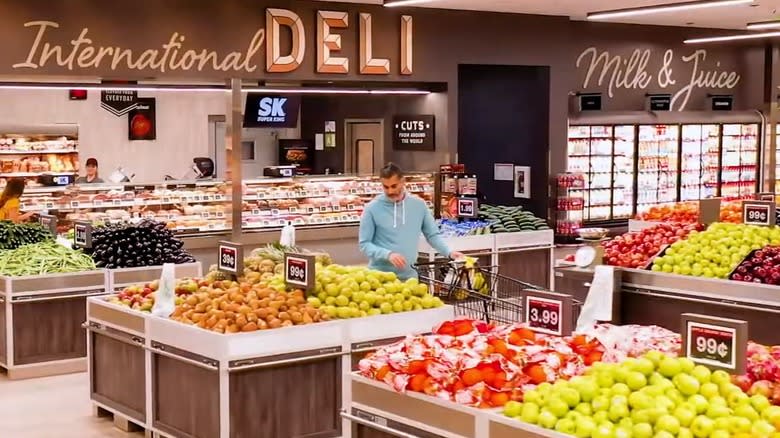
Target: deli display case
x: 200, y: 207
x: 325, y: 208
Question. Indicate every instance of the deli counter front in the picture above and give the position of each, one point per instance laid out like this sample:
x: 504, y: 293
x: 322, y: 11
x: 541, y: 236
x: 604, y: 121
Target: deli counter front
x: 325, y: 210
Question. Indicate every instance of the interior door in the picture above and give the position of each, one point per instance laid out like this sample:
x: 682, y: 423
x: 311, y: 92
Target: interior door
x: 365, y: 154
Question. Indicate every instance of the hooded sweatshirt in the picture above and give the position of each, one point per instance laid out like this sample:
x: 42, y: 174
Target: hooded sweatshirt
x: 394, y: 227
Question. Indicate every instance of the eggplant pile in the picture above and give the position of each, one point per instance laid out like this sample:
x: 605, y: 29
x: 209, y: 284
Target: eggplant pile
x: 13, y: 235
x: 148, y: 243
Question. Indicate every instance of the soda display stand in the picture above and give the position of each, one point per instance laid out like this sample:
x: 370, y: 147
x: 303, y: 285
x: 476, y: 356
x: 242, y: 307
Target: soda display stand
x: 377, y: 411
x: 527, y: 255
x: 182, y: 381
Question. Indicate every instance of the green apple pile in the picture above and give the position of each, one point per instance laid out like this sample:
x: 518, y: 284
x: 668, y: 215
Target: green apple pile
x: 355, y: 291
x: 651, y: 396
x: 715, y: 252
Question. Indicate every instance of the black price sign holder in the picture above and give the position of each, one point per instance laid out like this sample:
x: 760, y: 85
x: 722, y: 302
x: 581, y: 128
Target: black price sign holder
x: 468, y: 207
x: 299, y: 271
x: 717, y: 343
x: 548, y: 312
x: 230, y: 258
x: 49, y: 222
x: 766, y: 196
x: 759, y: 213
x: 82, y: 234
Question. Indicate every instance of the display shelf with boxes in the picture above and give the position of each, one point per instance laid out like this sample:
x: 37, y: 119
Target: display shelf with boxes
x: 201, y: 207
x: 43, y: 155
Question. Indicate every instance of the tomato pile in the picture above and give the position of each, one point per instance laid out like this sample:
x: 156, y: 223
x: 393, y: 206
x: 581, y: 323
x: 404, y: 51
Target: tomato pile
x: 478, y: 364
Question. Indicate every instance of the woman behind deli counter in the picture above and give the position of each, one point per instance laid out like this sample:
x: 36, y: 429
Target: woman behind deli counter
x: 92, y: 173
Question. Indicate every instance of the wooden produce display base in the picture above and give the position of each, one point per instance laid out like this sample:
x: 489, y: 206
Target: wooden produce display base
x: 377, y: 411
x: 526, y: 256
x: 185, y: 382
x: 41, y: 319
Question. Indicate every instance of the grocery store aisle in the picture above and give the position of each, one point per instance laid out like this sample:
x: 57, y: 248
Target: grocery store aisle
x: 51, y: 407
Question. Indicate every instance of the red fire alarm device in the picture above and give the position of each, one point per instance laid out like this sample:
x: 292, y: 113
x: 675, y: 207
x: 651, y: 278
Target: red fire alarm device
x: 78, y: 94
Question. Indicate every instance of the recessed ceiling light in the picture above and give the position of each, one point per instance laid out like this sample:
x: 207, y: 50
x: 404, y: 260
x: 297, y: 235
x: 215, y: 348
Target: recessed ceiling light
x: 764, y: 25
x: 399, y: 3
x: 717, y: 39
x: 670, y: 7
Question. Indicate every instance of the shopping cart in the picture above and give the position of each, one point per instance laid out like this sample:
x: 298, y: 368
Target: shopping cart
x: 478, y: 292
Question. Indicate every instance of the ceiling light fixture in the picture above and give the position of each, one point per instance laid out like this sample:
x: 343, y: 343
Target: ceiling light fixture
x: 670, y: 7
x: 399, y: 3
x: 200, y: 89
x: 719, y: 39
x: 760, y: 25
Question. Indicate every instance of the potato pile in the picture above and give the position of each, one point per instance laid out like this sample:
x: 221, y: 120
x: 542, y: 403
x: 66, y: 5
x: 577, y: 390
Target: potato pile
x: 230, y: 307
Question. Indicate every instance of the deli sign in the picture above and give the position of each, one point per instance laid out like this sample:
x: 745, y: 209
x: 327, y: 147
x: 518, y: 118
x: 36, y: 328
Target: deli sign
x: 282, y: 41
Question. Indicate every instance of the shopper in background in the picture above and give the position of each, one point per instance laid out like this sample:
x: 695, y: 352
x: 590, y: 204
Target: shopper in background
x: 391, y: 225
x: 9, y: 201
x: 92, y: 173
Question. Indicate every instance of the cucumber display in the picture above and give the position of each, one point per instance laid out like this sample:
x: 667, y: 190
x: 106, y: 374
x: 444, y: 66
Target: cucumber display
x: 505, y: 219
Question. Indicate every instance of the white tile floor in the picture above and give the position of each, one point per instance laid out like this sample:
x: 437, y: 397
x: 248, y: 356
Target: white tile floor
x: 52, y: 407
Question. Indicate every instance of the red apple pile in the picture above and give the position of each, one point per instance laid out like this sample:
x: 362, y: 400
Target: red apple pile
x: 141, y: 297
x: 636, y: 248
x: 762, y: 267
x: 763, y: 372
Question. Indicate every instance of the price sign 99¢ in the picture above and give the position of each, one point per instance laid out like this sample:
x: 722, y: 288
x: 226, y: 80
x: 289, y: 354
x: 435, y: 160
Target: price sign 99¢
x: 758, y: 213
x: 715, y: 342
x: 299, y: 270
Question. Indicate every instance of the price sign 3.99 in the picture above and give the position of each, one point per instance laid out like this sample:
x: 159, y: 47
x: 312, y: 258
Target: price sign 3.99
x: 230, y: 258
x: 548, y: 312
x: 299, y: 270
x: 715, y: 342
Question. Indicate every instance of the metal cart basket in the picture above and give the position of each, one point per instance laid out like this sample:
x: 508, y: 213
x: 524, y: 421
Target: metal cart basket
x: 478, y: 292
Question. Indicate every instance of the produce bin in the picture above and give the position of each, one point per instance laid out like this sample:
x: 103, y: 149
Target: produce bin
x: 649, y: 297
x: 117, y: 340
x: 527, y: 256
x: 500, y: 426
x: 121, y: 278
x: 41, y: 320
x: 238, y: 375
x: 376, y: 410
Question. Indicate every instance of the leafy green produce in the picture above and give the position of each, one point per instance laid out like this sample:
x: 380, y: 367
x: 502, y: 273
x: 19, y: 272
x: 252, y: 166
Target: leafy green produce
x: 14, y: 235
x: 43, y: 258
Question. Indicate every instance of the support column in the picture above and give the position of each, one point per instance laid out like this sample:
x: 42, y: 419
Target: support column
x: 771, y: 90
x: 233, y: 157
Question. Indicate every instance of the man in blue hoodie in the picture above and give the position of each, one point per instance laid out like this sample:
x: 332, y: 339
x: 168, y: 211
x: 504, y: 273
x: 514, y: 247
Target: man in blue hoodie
x: 391, y: 225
